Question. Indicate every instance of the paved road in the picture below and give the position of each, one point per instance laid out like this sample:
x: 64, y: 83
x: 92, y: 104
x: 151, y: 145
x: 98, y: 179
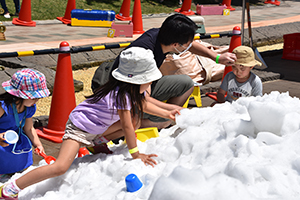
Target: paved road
x: 48, y: 34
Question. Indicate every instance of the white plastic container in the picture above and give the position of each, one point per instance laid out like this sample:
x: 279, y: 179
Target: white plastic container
x: 11, y: 137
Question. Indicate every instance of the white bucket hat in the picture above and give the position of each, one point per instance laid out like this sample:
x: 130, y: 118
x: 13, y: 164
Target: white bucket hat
x: 137, y: 66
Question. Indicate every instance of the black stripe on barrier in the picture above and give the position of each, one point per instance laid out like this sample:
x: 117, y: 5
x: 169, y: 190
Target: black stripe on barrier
x: 94, y: 48
x: 81, y: 49
x: 8, y: 55
x: 112, y: 46
x: 46, y: 51
x: 214, y: 36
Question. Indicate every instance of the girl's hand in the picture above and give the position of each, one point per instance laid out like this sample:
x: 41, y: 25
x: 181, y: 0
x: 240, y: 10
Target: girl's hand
x: 41, y: 148
x: 2, y: 143
x: 173, y: 114
x: 146, y: 158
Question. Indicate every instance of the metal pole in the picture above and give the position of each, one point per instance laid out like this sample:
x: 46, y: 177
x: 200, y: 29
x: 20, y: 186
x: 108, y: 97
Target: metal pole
x: 243, y: 20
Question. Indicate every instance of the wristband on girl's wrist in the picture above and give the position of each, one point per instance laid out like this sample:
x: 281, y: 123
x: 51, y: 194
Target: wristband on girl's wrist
x: 217, y: 58
x: 133, y: 150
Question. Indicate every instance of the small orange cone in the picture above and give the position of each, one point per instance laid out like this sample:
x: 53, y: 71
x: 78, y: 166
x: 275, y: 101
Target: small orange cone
x: 83, y: 152
x: 25, y: 15
x: 137, y: 19
x: 63, y: 97
x: 234, y: 42
x: 228, y: 4
x: 124, y: 11
x: 185, y: 8
x: 67, y: 18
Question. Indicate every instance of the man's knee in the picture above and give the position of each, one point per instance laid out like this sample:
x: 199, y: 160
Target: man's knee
x: 187, y: 81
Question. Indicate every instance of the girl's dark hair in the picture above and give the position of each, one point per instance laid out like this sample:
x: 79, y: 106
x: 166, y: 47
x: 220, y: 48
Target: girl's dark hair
x: 9, y: 99
x: 136, y: 99
x: 177, y: 28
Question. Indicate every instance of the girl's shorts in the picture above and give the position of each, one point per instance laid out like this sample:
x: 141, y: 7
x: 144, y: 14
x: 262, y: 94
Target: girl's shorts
x: 74, y: 133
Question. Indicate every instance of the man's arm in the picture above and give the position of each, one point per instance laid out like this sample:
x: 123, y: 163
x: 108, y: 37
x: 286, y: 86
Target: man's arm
x: 225, y: 58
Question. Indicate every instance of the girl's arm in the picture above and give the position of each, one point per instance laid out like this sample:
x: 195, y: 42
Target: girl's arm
x: 128, y: 129
x: 163, y: 105
x: 2, y: 143
x: 153, y: 109
x: 31, y: 133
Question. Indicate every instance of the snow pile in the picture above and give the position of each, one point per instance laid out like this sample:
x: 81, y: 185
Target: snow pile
x: 245, y: 150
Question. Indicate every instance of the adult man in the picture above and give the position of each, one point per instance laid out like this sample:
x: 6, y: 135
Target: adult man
x: 176, y: 35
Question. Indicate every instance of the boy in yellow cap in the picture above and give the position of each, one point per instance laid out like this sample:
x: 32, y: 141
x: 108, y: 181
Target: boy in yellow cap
x: 241, y: 82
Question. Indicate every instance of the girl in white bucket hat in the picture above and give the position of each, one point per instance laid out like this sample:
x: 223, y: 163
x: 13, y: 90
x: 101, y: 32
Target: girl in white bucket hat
x: 17, y: 106
x: 113, y: 111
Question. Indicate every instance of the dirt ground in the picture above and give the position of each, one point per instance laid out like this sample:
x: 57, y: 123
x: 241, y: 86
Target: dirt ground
x: 85, y: 75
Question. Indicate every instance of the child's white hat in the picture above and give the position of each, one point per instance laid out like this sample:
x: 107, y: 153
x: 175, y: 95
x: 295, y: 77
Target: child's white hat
x: 137, y: 66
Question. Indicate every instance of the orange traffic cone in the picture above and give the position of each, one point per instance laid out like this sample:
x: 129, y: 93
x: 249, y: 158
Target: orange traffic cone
x: 234, y: 42
x: 228, y: 4
x: 185, y: 8
x: 63, y: 97
x: 83, y: 151
x: 124, y: 11
x: 275, y: 2
x: 137, y: 19
x: 25, y: 15
x: 67, y: 18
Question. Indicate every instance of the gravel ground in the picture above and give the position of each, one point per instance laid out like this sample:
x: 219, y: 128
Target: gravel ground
x: 85, y: 75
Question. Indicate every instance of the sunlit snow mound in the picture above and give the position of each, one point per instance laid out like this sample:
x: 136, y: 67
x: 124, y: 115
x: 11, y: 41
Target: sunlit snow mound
x: 249, y: 149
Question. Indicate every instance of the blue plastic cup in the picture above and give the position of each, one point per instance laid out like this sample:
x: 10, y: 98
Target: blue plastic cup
x: 11, y: 137
x: 133, y: 183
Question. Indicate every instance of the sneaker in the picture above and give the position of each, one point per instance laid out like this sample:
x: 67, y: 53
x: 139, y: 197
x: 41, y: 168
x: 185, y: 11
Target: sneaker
x: 7, y: 15
x: 2, y: 196
x: 101, y: 148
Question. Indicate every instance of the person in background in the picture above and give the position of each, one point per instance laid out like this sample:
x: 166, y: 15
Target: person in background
x: 176, y: 35
x: 6, y: 12
x: 17, y: 106
x: 114, y: 110
x: 241, y: 82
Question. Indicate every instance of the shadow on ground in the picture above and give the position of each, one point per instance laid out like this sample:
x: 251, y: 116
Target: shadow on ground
x: 288, y: 69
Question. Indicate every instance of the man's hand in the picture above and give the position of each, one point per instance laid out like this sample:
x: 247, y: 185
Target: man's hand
x: 227, y: 58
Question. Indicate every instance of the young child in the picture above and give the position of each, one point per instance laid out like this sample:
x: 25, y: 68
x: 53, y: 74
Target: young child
x: 114, y: 110
x: 17, y: 106
x: 241, y: 82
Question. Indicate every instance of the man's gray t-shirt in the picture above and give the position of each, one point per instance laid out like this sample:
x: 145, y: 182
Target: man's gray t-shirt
x: 235, y: 90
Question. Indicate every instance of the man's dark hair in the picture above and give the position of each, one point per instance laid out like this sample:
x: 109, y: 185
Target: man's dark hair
x: 177, y: 29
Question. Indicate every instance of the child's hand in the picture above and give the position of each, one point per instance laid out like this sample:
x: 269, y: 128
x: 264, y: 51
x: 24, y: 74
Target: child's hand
x: 147, y: 159
x: 2, y: 143
x: 41, y: 148
x: 173, y: 114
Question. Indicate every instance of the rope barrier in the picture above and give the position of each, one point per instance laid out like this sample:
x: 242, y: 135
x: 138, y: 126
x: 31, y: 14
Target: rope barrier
x: 93, y: 48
